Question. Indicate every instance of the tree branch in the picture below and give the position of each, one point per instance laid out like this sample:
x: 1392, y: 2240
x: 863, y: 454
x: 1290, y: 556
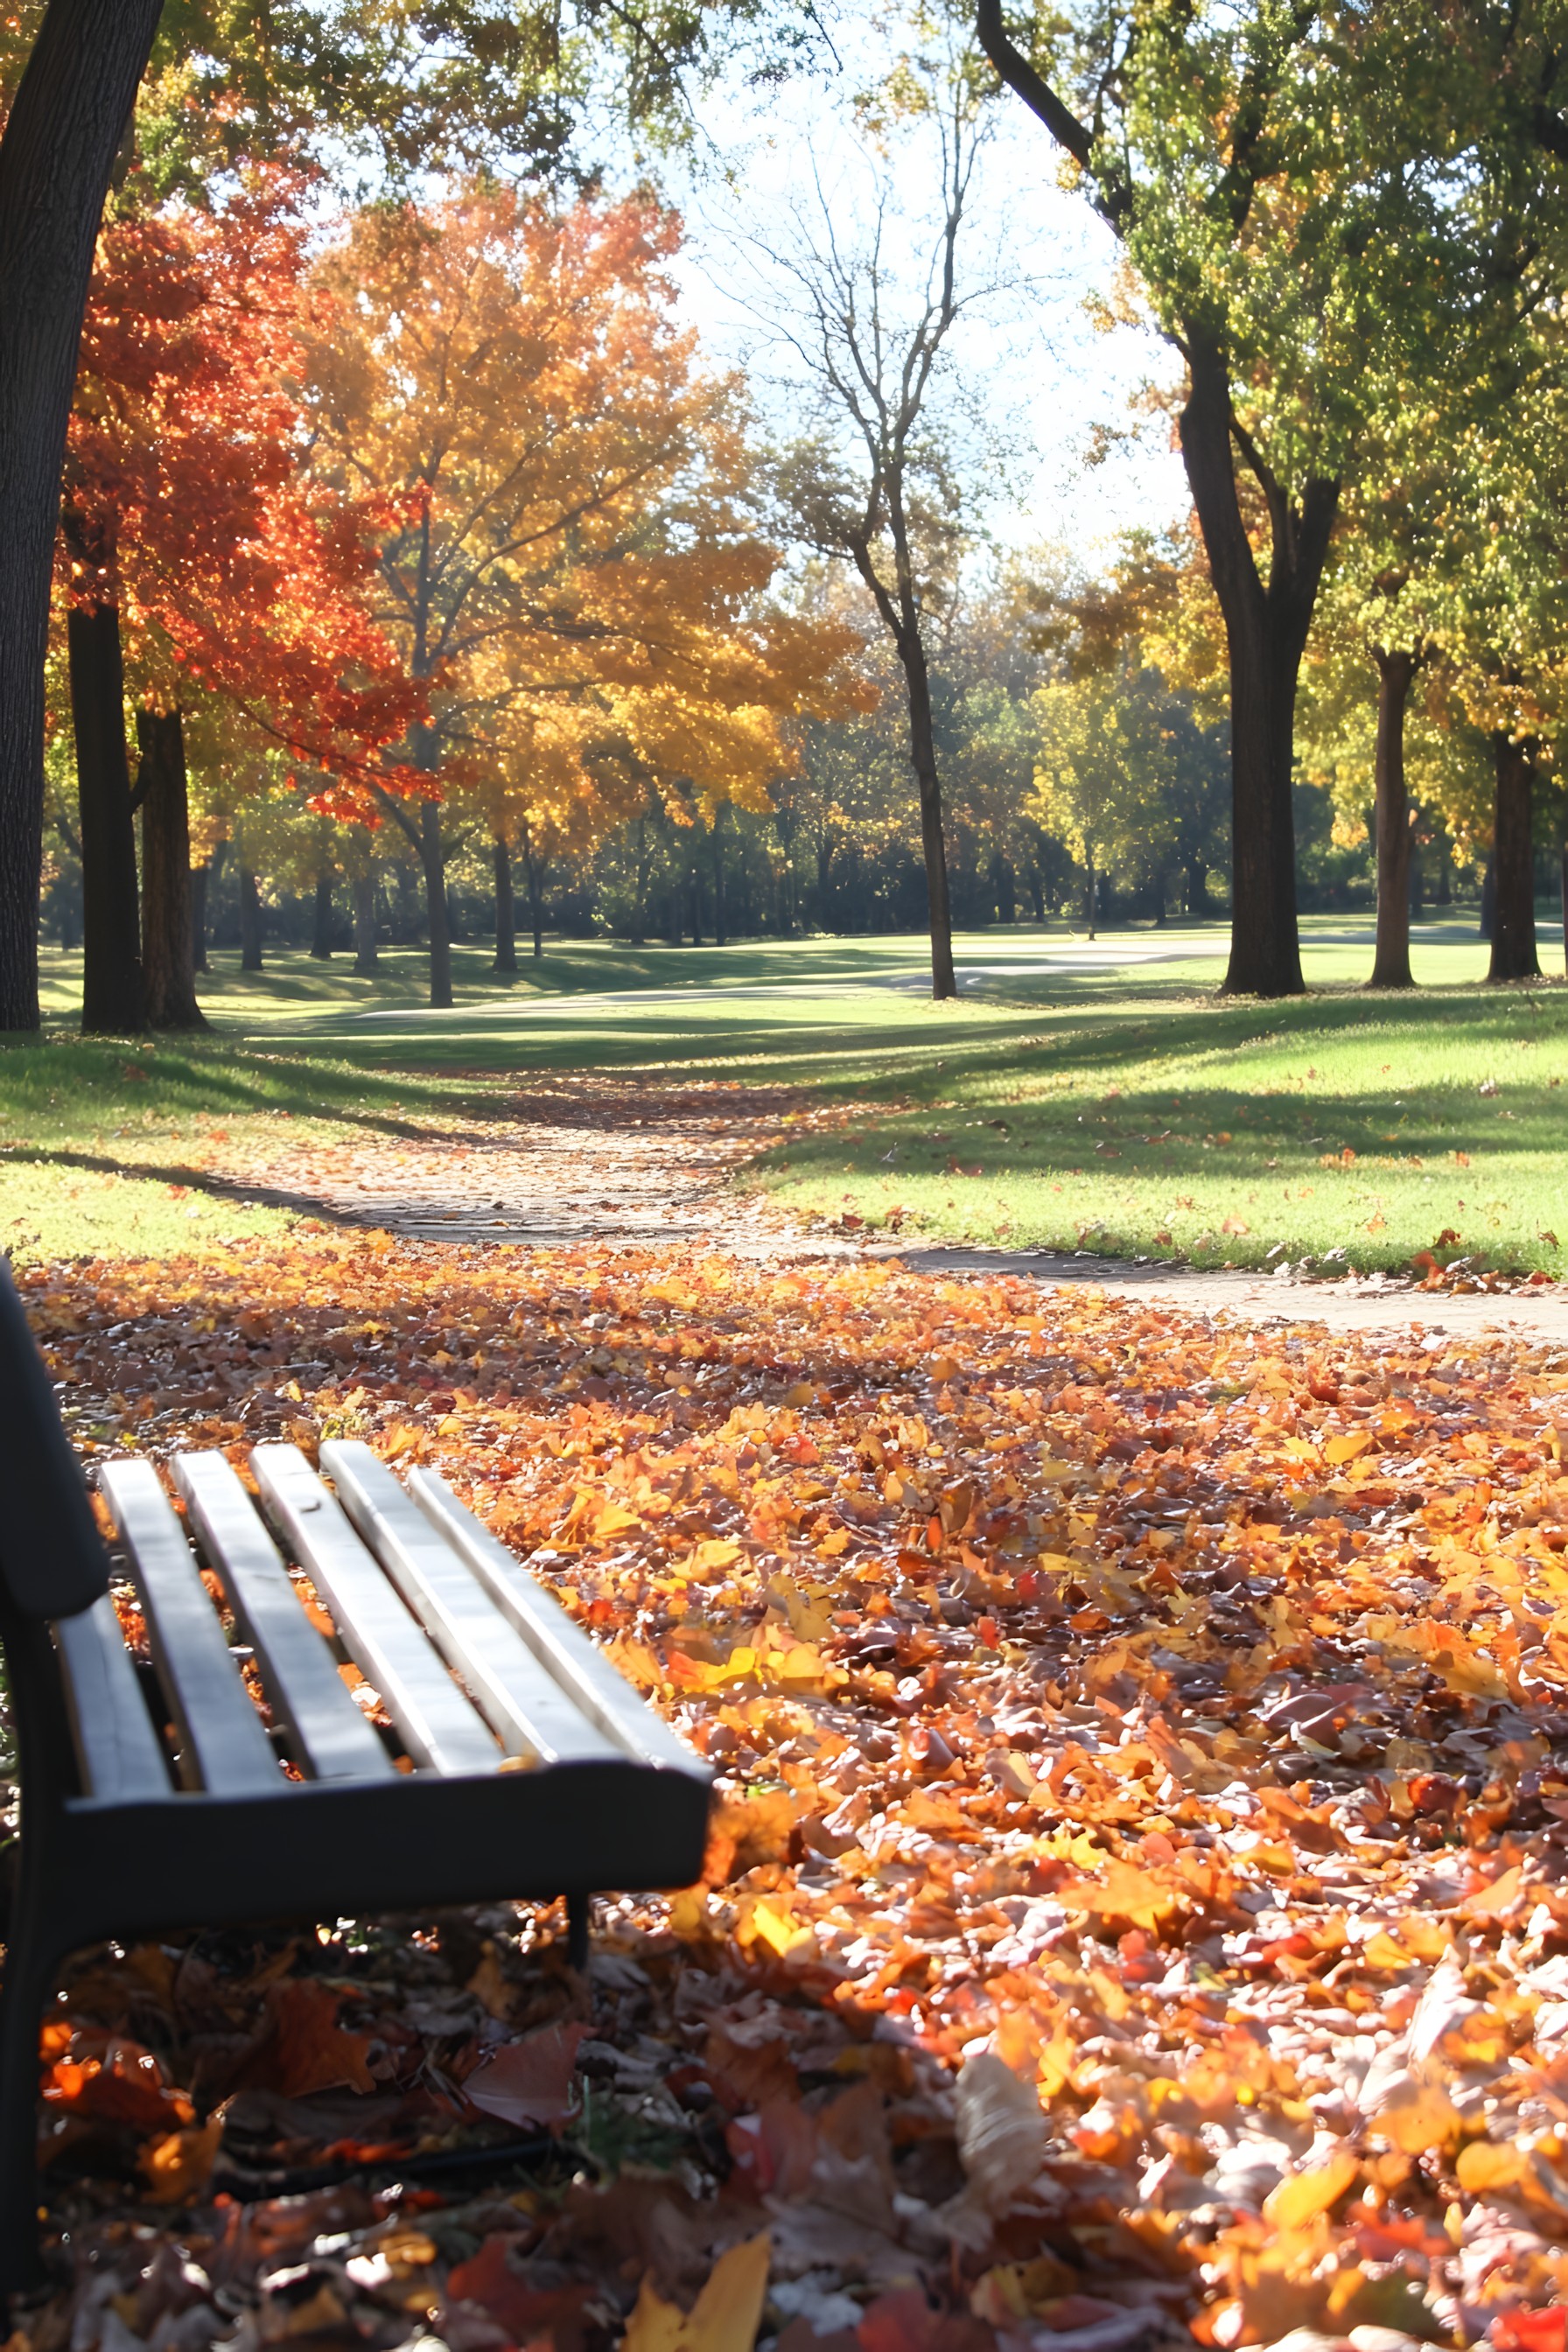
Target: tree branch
x: 1023, y: 79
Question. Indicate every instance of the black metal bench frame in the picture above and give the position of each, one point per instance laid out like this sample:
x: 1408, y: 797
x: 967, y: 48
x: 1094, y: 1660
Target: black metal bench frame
x: 146, y: 1859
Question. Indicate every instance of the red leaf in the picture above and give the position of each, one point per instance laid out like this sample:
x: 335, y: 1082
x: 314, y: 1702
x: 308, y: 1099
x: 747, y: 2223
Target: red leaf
x: 489, y: 2279
x: 530, y: 2082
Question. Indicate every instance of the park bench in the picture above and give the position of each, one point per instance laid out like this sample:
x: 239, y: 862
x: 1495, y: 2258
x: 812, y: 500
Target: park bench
x: 155, y: 1797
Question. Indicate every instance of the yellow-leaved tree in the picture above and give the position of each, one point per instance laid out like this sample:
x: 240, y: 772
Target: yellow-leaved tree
x: 567, y: 559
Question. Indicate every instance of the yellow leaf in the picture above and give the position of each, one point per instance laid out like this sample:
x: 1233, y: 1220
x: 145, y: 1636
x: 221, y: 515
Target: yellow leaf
x: 714, y: 1553
x: 725, y: 2316
x: 1483, y: 2167
x: 774, y: 1926
x: 180, y: 2162
x: 1382, y: 1952
x: 1345, y: 1448
x: 1305, y: 2195
x: 1417, y: 2116
x: 1126, y: 1893
x: 615, y: 1519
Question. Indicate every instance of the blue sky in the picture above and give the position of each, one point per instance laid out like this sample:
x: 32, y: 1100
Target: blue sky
x: 1032, y: 353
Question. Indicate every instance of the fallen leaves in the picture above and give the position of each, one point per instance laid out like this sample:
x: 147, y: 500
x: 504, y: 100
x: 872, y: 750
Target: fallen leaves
x: 530, y: 2081
x: 1138, y: 1889
x: 724, y: 2318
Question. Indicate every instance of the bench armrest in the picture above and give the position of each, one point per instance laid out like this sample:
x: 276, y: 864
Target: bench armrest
x: 52, y: 1559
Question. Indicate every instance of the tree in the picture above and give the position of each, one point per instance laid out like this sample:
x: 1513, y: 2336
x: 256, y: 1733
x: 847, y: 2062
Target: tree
x: 191, y: 534
x: 568, y: 568
x: 1380, y: 619
x: 1313, y: 253
x: 1121, y: 774
x: 64, y: 125
x: 874, y: 483
x: 437, y: 64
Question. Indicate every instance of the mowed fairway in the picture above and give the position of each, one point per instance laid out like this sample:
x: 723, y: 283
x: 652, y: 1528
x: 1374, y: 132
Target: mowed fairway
x: 1077, y: 1095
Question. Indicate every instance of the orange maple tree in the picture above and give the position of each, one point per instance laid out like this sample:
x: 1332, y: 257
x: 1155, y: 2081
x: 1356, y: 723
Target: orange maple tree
x: 197, y: 549
x: 569, y: 566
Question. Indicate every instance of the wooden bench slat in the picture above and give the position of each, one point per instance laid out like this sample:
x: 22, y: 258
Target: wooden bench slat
x: 545, y: 1625
x: 440, y: 1727
x: 117, y: 1748
x: 513, y: 1687
x: 331, y: 1738
x: 224, y: 1748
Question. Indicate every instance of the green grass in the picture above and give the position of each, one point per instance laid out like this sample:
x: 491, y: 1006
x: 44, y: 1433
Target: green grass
x: 1073, y: 1097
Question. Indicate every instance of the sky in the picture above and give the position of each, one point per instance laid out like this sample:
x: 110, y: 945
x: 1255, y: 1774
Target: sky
x: 1040, y: 367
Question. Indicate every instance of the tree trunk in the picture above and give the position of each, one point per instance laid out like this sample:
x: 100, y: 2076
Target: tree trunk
x: 65, y: 123
x: 1197, y: 886
x: 1090, y: 885
x: 1266, y: 630
x: 321, y: 933
x: 199, y: 878
x: 718, y: 848
x: 112, y: 1002
x: 433, y: 865
x: 1390, y: 962
x: 1513, y: 865
x: 1486, y: 919
x: 168, y: 962
x: 506, y: 911
x: 643, y: 868
x: 534, y: 876
x: 922, y: 756
x: 249, y: 920
x: 361, y: 886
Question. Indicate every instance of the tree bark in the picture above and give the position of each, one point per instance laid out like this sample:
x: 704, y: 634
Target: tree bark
x: 64, y: 127
x: 249, y: 920
x: 112, y: 1002
x: 534, y: 876
x: 361, y: 886
x: 322, y: 929
x: 1484, y: 920
x: 923, y: 757
x: 1391, y: 961
x: 1266, y: 627
x: 199, y: 877
x: 718, y: 849
x: 1513, y: 864
x: 506, y: 910
x: 168, y: 963
x: 1091, y: 885
x: 433, y: 865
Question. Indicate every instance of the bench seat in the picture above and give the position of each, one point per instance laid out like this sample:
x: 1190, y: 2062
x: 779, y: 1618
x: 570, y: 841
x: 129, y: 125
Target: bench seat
x: 233, y: 1775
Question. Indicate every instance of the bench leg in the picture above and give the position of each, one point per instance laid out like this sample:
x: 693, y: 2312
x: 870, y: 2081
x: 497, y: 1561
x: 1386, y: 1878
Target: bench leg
x: 577, y: 1931
x: 30, y: 1967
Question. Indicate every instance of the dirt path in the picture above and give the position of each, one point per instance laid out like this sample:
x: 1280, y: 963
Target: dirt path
x: 631, y: 1164
x: 573, y: 1159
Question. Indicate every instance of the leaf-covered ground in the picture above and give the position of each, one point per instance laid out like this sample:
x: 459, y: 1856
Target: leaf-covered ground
x: 1138, y: 1896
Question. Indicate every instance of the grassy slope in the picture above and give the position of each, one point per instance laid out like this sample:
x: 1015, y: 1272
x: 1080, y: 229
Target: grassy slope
x: 1102, y: 1103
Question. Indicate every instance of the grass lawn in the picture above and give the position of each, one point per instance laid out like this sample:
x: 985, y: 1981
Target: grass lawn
x: 1076, y: 1094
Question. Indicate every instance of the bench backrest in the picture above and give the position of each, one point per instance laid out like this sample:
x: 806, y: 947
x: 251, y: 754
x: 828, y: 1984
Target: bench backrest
x: 52, y: 1559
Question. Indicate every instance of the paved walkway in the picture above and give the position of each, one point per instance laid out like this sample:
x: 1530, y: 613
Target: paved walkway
x: 1354, y: 1303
